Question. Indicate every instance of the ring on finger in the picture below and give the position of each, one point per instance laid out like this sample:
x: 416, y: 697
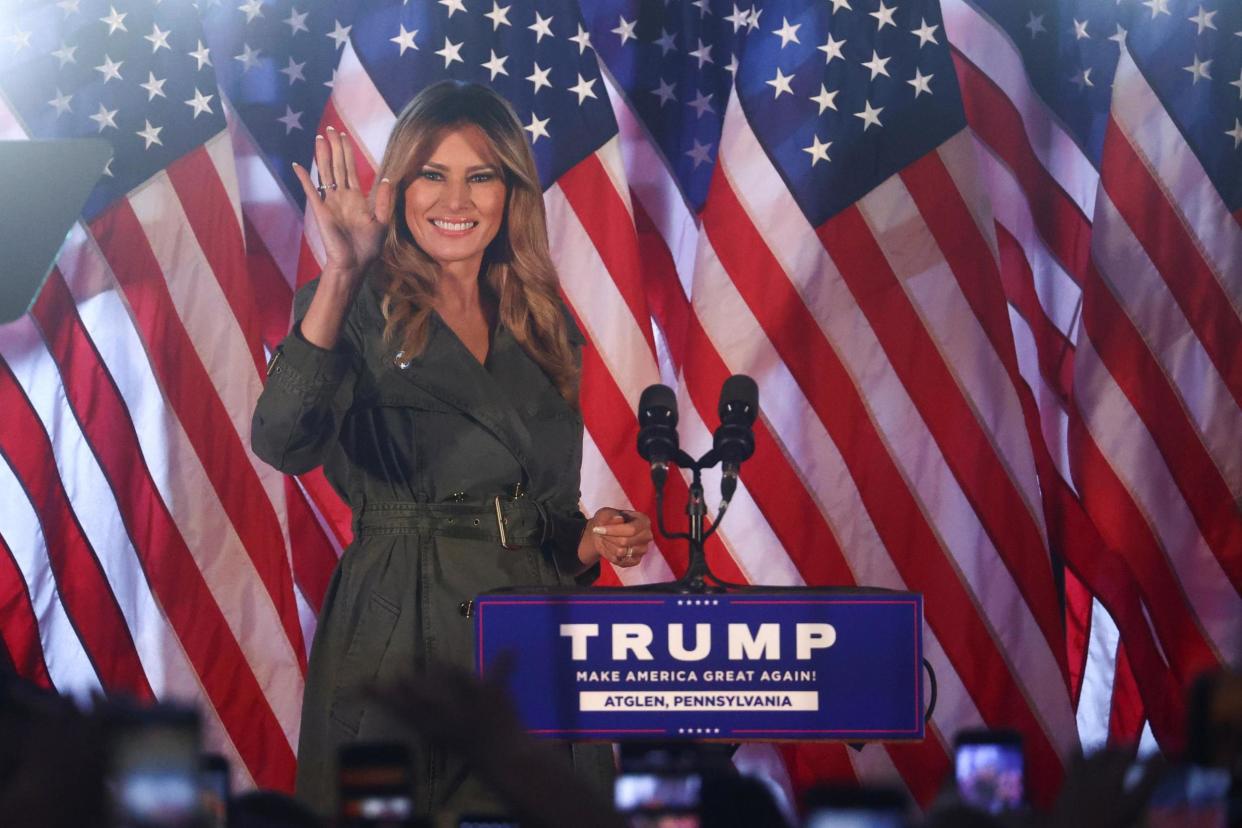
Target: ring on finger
x: 322, y: 190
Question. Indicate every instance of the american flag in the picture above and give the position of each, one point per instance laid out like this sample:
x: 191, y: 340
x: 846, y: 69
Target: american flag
x: 981, y: 258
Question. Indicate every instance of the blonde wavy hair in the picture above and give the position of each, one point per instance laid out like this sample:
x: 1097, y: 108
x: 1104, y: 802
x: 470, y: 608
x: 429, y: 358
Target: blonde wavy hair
x: 517, y: 266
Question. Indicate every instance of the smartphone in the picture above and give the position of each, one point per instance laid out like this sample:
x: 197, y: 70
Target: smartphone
x: 375, y: 781
x: 659, y: 799
x: 215, y: 789
x: 832, y: 807
x: 153, y: 774
x: 1190, y: 796
x: 990, y: 769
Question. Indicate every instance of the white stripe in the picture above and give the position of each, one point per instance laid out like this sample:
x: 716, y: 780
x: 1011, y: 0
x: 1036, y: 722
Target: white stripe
x: 1095, y: 702
x: 988, y: 46
x: 1145, y: 298
x: 1130, y: 451
x: 1179, y: 173
x: 1053, y: 421
x: 361, y: 106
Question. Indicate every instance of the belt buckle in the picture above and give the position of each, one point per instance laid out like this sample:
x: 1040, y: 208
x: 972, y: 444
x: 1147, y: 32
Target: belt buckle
x: 500, y: 523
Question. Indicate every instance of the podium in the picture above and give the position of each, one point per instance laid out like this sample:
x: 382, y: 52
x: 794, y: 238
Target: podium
x: 780, y: 665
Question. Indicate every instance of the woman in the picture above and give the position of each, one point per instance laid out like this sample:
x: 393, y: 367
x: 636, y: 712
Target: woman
x: 433, y: 371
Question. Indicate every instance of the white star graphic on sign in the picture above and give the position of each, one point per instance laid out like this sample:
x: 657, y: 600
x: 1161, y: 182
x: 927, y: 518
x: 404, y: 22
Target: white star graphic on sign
x: 701, y: 103
x: 60, y: 103
x: 1200, y: 69
x: 780, y: 83
x: 920, y: 82
x: 1203, y: 20
x: 158, y: 38
x: 150, y: 134
x: 1235, y: 133
x: 115, y: 20
x: 453, y: 6
x: 499, y: 15
x: 837, y: 5
x: 925, y: 33
x: 538, y: 128
x: 249, y: 58
x: 625, y: 29
x: 539, y: 78
x: 832, y: 49
x: 252, y: 9
x: 787, y: 33
x: 69, y: 7
x: 665, y: 42
x: 451, y: 52
x: 869, y: 115
x: 1157, y: 7
x: 703, y: 53
x: 1118, y: 36
x: 541, y: 27
x: 883, y: 15
x: 339, y: 33
x: 202, y: 54
x: 110, y: 70
x: 292, y: 120
x: 495, y: 65
x: 825, y: 99
x: 738, y: 18
x: 664, y: 92
x: 154, y: 86
x: 65, y: 54
x: 1082, y: 79
x: 818, y: 151
x: 583, y: 39
x: 104, y: 117
x: 877, y: 65
x: 700, y: 153
x: 1238, y: 83
x: 1035, y: 24
x: 583, y: 89
x: 294, y: 71
x: 201, y: 103
x: 1080, y: 29
x: 404, y: 39
x: 297, y: 22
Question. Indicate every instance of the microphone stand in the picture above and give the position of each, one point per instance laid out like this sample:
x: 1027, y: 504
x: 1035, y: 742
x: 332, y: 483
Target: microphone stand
x: 697, y: 571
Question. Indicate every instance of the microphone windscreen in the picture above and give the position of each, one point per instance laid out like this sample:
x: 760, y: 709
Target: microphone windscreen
x: 739, y: 396
x: 657, y: 397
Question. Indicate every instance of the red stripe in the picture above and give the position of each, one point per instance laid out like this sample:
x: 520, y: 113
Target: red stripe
x: 19, y: 631
x: 80, y: 580
x: 308, y: 265
x: 167, y: 562
x: 669, y: 306
x: 994, y: 118
x: 818, y: 764
x: 314, y: 559
x: 187, y: 386
x: 1176, y: 253
x: 207, y: 207
x: 1125, y: 717
x: 329, y: 504
x: 1078, y: 605
x: 896, y: 514
x: 271, y: 291
x: 1124, y: 352
x: 1055, y: 351
x: 332, y: 118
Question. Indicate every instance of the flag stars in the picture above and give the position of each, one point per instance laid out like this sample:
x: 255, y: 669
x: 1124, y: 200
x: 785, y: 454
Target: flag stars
x: 19, y: 39
x: 1203, y: 20
x: 296, y: 21
x: 539, y: 78
x: 1200, y: 69
x: 582, y: 38
x: 110, y: 69
x: 583, y: 89
x: 106, y: 118
x: 1157, y: 7
x: 1080, y: 30
x: 700, y: 153
x: 249, y: 58
x: 115, y: 20
x: 1235, y: 133
x: 701, y: 103
x: 538, y: 128
x: 202, y: 54
x: 68, y: 7
x: 292, y: 120
x: 252, y: 9
x: 780, y: 83
x: 1035, y: 25
x: 542, y: 27
x: 200, y: 103
x: 154, y: 86
x: 877, y: 65
x: 787, y: 33
x: 495, y: 64
x: 664, y: 92
x: 453, y: 6
x: 1118, y: 36
x: 739, y: 18
x: 294, y: 71
x: 339, y: 34
x: 150, y: 134
x: 1238, y: 83
x: 158, y: 39
x: 702, y: 6
x: 870, y: 115
x: 832, y: 49
x: 753, y: 23
x: 925, y: 33
x: 837, y: 5
x: 703, y: 54
x: 404, y: 39
x: 1082, y: 79
x: 825, y: 99
x: 921, y: 83
x: 625, y: 30
x: 818, y: 150
x: 499, y: 15
x: 451, y: 52
x: 65, y: 54
x: 883, y: 16
x: 60, y: 103
x: 666, y: 42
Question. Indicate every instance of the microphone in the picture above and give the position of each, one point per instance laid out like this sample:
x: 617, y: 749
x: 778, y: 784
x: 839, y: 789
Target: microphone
x: 657, y: 430
x: 734, y: 440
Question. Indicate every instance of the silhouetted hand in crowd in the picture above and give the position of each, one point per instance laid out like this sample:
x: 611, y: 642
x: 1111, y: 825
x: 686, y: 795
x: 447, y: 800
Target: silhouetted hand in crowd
x: 1095, y: 793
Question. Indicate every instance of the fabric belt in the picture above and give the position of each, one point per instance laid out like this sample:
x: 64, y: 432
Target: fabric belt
x: 508, y: 521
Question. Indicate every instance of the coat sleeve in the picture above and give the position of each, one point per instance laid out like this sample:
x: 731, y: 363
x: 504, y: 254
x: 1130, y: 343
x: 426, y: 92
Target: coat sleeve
x: 308, y: 392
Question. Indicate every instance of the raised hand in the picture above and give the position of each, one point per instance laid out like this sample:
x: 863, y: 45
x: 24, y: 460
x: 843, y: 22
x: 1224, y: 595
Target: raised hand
x: 351, y: 226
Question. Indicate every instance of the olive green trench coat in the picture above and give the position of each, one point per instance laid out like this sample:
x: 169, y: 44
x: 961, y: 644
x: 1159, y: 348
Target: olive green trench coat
x: 444, y: 428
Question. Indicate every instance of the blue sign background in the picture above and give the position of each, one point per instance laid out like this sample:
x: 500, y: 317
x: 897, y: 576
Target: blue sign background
x: 866, y: 686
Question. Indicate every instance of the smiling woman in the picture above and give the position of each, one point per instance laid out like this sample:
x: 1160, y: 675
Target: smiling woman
x: 433, y: 371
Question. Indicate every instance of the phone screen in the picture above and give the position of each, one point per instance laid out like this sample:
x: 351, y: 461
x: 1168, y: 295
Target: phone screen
x: 154, y: 774
x: 375, y: 785
x: 838, y: 807
x: 1190, y: 796
x: 989, y: 769
x: 659, y: 800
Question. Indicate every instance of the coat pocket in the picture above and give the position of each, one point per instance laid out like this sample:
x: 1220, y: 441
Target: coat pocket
x: 362, y: 661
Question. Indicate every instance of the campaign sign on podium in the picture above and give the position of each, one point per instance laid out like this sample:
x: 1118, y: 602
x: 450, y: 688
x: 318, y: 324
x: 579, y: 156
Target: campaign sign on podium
x: 820, y: 665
